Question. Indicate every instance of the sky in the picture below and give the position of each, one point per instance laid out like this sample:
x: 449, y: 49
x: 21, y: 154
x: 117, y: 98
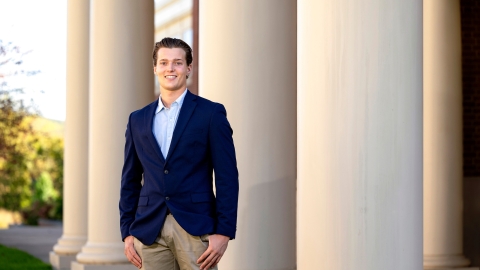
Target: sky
x: 39, y: 27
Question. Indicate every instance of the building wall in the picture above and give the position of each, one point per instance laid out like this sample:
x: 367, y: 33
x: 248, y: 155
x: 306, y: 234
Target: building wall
x: 471, y: 127
x: 173, y: 18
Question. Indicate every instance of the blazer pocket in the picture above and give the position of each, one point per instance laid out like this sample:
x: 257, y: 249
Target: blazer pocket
x: 142, y: 201
x: 201, y: 197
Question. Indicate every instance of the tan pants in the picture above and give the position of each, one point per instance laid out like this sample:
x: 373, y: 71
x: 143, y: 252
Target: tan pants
x: 174, y: 249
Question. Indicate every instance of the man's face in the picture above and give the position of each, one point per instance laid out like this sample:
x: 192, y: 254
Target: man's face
x: 171, y: 69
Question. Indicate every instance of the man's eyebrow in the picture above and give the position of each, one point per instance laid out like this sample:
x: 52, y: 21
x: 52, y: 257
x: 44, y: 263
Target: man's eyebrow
x: 176, y: 59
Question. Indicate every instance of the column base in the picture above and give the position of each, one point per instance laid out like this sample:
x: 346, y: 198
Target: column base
x: 102, y: 253
x: 61, y: 261
x: 80, y: 266
x: 456, y: 262
x: 69, y: 244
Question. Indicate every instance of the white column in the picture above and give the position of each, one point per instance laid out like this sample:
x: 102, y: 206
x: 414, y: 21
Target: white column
x: 443, y: 156
x: 248, y: 63
x: 76, y: 138
x: 121, y: 81
x: 359, y: 145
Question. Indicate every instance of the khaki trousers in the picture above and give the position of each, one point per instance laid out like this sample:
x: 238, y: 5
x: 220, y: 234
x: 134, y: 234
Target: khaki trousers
x: 174, y: 249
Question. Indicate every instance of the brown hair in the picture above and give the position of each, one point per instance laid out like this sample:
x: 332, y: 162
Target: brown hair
x: 172, y: 43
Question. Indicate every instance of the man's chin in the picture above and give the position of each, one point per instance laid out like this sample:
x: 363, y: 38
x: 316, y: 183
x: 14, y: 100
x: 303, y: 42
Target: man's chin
x: 173, y: 89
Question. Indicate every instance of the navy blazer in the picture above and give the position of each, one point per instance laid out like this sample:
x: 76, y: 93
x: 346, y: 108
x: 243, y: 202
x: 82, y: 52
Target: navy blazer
x: 202, y: 143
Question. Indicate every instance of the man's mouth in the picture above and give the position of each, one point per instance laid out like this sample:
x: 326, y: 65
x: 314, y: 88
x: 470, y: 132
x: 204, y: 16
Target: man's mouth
x: 170, y: 77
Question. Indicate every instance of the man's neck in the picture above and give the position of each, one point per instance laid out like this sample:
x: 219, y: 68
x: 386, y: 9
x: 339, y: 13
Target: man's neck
x: 168, y: 97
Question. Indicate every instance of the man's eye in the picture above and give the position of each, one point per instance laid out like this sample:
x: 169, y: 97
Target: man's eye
x: 163, y: 63
x: 178, y: 63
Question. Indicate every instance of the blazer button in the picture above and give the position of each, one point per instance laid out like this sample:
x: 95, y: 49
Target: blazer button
x: 167, y: 198
x: 166, y: 171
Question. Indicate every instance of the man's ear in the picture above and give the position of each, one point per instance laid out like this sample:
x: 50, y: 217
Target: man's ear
x: 154, y: 70
x: 189, y: 70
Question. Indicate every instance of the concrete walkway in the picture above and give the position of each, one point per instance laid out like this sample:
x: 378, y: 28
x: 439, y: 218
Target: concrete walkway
x: 36, y: 240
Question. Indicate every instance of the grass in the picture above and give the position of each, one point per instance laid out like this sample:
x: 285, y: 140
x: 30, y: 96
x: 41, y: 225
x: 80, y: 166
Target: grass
x: 14, y: 259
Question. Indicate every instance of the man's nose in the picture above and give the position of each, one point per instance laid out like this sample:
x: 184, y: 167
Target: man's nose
x: 170, y: 66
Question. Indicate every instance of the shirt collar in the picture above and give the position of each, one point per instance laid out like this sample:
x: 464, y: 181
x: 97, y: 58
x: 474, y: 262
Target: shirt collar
x: 179, y: 101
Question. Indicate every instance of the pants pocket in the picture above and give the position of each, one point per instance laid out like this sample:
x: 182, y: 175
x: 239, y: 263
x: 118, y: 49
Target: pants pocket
x: 204, y: 237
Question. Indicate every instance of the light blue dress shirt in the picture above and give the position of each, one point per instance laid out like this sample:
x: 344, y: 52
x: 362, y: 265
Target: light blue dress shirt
x: 164, y: 122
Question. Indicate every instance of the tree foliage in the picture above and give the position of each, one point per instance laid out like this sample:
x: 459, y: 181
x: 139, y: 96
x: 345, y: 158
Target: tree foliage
x: 31, y: 161
x: 14, y: 158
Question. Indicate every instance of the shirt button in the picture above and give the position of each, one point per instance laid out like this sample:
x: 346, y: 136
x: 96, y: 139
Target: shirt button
x: 166, y: 171
x: 167, y: 198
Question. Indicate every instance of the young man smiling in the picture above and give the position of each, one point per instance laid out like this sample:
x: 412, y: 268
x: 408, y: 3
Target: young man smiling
x: 173, y: 220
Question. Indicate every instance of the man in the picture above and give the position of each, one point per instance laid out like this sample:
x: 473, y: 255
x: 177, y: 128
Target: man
x: 173, y: 220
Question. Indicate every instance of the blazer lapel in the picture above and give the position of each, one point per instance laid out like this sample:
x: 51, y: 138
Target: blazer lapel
x: 149, y: 115
x: 186, y: 111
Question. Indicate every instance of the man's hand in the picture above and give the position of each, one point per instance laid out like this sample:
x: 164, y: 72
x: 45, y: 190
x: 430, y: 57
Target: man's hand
x: 217, y: 244
x: 131, y: 253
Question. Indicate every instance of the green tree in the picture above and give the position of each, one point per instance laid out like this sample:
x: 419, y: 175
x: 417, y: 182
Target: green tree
x: 31, y: 162
x: 15, y: 154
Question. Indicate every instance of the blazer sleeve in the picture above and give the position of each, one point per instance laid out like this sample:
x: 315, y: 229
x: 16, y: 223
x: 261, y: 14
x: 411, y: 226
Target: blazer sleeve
x: 131, y: 183
x: 226, y: 173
